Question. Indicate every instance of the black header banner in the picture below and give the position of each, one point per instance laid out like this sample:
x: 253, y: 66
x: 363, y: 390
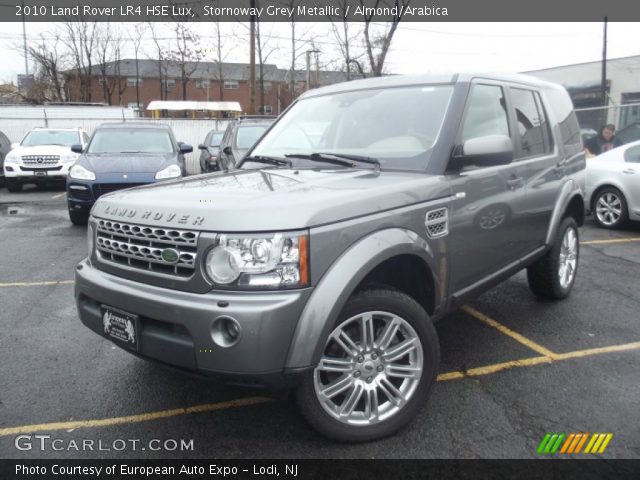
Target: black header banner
x: 316, y: 10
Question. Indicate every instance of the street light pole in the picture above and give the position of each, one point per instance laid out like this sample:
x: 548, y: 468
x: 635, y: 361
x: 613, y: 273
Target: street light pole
x: 309, y: 52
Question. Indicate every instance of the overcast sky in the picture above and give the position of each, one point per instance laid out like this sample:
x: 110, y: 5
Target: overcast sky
x: 417, y: 47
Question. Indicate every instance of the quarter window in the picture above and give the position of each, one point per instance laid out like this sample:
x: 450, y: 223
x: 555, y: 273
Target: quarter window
x: 632, y: 155
x: 486, y: 113
x: 532, y: 124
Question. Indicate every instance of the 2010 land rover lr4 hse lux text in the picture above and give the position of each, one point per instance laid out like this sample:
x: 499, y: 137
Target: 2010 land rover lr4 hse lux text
x: 367, y: 211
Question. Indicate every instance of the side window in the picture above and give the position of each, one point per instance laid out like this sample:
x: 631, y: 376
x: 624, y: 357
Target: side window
x: 85, y: 138
x: 632, y: 155
x: 532, y: 125
x: 486, y: 113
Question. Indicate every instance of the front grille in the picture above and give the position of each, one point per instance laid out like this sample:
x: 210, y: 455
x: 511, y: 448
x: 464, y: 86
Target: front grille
x: 141, y: 247
x: 102, y: 188
x: 41, y: 169
x: 40, y: 160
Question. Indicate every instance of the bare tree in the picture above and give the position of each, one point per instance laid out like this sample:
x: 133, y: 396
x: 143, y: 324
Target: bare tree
x: 108, y: 48
x: 186, y: 53
x: 378, y: 39
x: 80, y: 39
x: 219, y: 59
x: 346, y: 35
x: 136, y: 39
x: 161, y: 59
x: 49, y: 60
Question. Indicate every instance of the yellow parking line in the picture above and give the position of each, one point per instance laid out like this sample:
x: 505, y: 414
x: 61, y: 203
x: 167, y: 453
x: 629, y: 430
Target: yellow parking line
x: 59, y: 195
x: 507, y: 331
x: 529, y: 362
x: 613, y: 240
x: 145, y: 417
x: 36, y: 284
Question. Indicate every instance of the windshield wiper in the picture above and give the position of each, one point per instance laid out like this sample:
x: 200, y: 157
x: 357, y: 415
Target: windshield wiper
x: 344, y: 159
x: 279, y: 162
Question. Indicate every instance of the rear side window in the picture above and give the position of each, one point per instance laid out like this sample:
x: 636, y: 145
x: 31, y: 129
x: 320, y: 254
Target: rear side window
x: 532, y: 123
x: 632, y: 155
x: 486, y: 113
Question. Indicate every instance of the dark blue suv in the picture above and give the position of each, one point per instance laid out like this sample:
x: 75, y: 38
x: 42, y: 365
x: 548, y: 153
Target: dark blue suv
x: 122, y: 155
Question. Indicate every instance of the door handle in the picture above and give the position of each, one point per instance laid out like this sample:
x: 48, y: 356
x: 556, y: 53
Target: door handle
x: 515, y: 182
x: 629, y: 171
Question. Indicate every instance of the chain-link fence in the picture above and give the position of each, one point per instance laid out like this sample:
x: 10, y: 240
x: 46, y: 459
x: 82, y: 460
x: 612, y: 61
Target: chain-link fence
x: 626, y: 119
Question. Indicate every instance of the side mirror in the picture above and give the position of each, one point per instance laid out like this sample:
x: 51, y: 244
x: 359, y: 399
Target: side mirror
x: 76, y: 148
x: 185, y: 148
x: 487, y: 151
x: 227, y: 150
x: 202, y: 146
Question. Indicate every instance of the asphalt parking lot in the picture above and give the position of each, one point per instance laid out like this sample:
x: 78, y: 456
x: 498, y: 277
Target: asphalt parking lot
x: 513, y: 368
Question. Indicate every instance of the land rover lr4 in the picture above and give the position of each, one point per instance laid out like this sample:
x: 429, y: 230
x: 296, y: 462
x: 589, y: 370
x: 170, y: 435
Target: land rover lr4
x: 368, y: 210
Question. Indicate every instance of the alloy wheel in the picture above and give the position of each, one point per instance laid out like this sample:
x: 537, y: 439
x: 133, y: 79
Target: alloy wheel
x: 568, y: 257
x: 609, y: 209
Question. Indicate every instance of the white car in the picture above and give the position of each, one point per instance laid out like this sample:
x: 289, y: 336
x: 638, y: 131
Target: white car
x: 613, y: 186
x: 44, y: 155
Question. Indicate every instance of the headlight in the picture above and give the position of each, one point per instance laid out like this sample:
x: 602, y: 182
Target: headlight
x: 260, y: 261
x: 80, y: 173
x: 69, y: 158
x: 90, y: 238
x: 172, y: 171
x: 11, y: 158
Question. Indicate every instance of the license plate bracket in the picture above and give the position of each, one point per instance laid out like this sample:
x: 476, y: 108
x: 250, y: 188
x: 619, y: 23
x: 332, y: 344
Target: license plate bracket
x: 121, y: 326
x: 40, y: 173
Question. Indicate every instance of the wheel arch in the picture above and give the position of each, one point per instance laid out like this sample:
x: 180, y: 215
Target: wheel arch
x: 570, y: 202
x: 367, y: 262
x: 600, y: 188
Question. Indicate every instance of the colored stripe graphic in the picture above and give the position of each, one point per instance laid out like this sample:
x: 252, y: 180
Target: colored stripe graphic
x: 572, y: 443
x: 598, y: 443
x: 550, y: 443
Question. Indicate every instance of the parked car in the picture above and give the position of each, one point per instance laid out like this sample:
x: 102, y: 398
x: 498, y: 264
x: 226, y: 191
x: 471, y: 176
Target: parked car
x: 630, y: 133
x: 5, y: 147
x: 322, y: 262
x: 119, y: 156
x: 43, y: 156
x: 210, y: 151
x: 613, y: 186
x: 238, y: 138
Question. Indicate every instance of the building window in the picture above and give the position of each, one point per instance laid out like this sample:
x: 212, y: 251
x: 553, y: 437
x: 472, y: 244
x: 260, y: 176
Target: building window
x: 266, y: 109
x: 133, y: 81
x: 169, y: 83
x: 231, y: 85
x: 202, y: 83
x: 133, y: 105
x: 267, y: 87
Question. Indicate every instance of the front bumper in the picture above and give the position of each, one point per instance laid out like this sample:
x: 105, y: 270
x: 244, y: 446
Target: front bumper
x: 37, y: 174
x: 176, y: 326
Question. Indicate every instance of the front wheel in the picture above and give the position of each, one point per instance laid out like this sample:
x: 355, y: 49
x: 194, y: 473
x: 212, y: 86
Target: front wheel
x: 552, y: 277
x: 610, y: 208
x: 376, y: 370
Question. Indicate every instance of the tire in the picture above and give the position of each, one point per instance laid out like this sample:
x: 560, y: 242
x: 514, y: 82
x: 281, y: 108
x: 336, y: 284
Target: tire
x: 368, y: 371
x: 13, y: 185
x: 610, y: 208
x: 552, y: 277
x: 78, y: 218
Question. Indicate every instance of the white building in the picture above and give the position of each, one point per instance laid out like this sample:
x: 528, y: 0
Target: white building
x: 583, y: 81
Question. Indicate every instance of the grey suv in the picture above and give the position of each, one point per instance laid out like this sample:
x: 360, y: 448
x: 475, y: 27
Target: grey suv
x: 369, y: 210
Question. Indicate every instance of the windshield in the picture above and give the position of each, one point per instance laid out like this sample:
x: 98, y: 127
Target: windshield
x: 247, y: 135
x: 113, y: 140
x: 51, y: 137
x: 216, y: 138
x: 397, y: 126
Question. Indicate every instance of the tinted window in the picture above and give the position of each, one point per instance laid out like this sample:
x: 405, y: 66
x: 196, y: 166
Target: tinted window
x: 632, y: 155
x: 51, y: 137
x: 486, y: 113
x: 531, y: 124
x: 114, y: 140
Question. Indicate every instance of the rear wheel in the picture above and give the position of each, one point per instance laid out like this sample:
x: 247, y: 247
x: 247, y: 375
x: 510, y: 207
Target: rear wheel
x: 78, y: 218
x: 610, y: 208
x: 13, y: 185
x: 376, y: 369
x: 552, y: 277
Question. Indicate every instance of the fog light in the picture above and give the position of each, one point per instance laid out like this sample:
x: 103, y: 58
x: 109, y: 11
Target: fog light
x: 225, y: 331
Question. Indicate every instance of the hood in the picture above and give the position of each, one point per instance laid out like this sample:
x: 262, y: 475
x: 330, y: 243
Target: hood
x: 126, y: 163
x: 269, y: 199
x: 43, y: 150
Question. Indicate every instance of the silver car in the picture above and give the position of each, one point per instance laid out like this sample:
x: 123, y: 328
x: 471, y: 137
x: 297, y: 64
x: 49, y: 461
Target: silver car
x: 613, y: 186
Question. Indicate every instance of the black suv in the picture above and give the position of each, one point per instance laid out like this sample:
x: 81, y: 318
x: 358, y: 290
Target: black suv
x: 239, y: 137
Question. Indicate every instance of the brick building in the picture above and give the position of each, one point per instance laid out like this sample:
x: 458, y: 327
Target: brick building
x: 114, y: 83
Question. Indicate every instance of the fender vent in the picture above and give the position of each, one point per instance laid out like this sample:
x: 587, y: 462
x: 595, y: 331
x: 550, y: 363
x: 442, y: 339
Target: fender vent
x: 437, y: 222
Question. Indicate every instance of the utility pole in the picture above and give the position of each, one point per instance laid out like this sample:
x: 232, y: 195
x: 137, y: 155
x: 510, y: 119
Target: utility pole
x: 252, y: 62
x: 603, y: 84
x: 308, y: 53
x: 24, y: 41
